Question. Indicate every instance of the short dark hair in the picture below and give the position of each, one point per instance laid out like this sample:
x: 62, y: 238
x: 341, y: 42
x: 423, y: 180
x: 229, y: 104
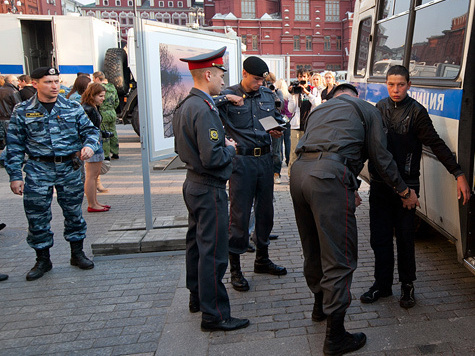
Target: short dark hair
x: 398, y: 70
x: 25, y: 78
x: 302, y: 71
x: 345, y: 87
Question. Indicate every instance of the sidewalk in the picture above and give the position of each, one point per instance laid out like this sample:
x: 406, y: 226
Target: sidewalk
x: 137, y: 304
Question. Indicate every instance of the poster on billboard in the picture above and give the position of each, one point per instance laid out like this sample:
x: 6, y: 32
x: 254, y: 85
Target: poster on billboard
x: 167, y: 80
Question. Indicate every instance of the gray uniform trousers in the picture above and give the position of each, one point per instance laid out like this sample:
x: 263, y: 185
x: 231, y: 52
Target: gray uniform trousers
x: 207, y: 247
x: 252, y: 180
x: 325, y: 214
x: 40, y: 179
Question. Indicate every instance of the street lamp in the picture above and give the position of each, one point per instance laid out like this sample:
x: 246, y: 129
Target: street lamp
x: 14, y: 6
x: 195, y: 17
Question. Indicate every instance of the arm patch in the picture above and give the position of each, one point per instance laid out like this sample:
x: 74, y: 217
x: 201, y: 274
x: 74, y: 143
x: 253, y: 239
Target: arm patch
x: 213, y: 135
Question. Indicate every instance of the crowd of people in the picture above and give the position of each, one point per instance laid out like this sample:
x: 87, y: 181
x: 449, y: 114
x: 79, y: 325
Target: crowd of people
x: 322, y: 131
x: 49, y: 131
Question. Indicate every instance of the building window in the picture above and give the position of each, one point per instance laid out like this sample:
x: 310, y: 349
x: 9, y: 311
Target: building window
x: 145, y: 15
x: 166, y: 18
x: 179, y: 4
x: 117, y: 2
x: 161, y: 3
x: 170, y: 4
x: 301, y: 10
x: 296, y: 43
x: 105, y: 3
x: 332, y: 10
x: 130, y: 19
x: 123, y: 18
x: 244, y: 39
x: 308, y: 43
x: 130, y: 3
x: 338, y: 43
x: 248, y: 9
x: 327, y: 46
x: 254, y: 43
x: 176, y: 19
x: 306, y: 67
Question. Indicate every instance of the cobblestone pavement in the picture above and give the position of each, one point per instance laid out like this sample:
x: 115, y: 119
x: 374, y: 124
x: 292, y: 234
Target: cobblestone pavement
x: 137, y: 304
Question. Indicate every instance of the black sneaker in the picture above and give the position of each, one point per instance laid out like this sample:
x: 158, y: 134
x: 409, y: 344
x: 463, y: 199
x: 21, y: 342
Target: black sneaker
x: 407, y: 296
x: 374, y: 294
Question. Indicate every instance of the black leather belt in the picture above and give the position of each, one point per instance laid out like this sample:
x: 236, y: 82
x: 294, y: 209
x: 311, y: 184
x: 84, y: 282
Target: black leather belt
x: 325, y: 155
x: 256, y: 151
x: 53, y: 159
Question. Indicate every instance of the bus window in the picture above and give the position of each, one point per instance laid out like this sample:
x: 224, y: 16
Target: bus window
x: 389, y: 44
x: 393, y: 7
x: 439, y: 34
x: 364, y: 33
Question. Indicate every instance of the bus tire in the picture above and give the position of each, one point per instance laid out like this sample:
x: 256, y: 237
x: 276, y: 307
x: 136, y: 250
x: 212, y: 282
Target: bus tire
x: 135, y: 120
x: 116, y: 69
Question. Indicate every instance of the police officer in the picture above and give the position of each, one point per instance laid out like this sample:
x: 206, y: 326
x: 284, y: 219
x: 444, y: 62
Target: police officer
x: 252, y: 179
x: 341, y: 134
x: 50, y: 130
x: 200, y: 143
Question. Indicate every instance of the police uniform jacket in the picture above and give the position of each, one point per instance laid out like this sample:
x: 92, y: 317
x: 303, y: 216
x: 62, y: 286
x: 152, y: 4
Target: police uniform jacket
x: 242, y: 122
x: 335, y: 126
x: 199, y: 137
x: 34, y: 131
x: 408, y: 128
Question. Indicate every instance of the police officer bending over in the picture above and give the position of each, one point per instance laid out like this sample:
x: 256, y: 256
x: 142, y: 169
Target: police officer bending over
x: 341, y: 134
x: 50, y: 130
x: 200, y: 143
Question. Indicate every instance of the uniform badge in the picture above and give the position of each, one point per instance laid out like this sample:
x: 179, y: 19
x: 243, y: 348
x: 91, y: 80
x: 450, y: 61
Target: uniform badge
x: 34, y: 114
x: 213, y: 135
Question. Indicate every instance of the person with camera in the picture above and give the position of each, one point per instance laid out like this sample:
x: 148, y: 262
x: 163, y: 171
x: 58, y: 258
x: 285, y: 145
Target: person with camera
x: 301, y: 103
x: 92, y: 98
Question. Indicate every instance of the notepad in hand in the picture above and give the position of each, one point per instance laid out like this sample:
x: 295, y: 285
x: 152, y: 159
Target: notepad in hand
x: 269, y: 123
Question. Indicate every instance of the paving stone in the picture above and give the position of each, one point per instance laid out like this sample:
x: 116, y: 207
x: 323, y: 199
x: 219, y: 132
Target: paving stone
x: 169, y: 239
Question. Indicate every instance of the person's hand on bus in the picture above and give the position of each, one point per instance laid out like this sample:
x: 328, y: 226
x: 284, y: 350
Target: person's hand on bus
x: 463, y: 189
x: 412, y: 202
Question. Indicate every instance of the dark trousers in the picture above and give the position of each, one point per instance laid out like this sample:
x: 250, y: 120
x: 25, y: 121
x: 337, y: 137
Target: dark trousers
x: 287, y: 144
x: 325, y: 213
x: 207, y: 247
x: 277, y: 154
x: 252, y: 180
x: 389, y: 218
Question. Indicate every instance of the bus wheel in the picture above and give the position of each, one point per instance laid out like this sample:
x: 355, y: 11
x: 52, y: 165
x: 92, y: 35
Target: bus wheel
x: 135, y: 120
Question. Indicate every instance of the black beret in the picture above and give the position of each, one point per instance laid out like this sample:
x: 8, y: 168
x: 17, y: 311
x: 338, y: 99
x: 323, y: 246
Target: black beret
x: 256, y: 66
x: 344, y: 86
x: 40, y: 72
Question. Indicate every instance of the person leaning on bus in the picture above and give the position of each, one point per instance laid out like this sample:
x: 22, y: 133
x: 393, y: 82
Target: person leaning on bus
x: 409, y: 127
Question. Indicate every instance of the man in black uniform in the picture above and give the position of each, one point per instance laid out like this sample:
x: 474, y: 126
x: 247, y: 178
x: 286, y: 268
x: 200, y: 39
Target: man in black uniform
x: 201, y: 144
x: 252, y: 179
x: 341, y: 134
x: 409, y: 127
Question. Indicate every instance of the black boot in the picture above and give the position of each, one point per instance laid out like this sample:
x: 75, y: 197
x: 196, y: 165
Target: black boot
x: 78, y: 258
x: 43, y: 264
x: 263, y: 264
x: 317, y: 313
x: 238, y: 281
x: 337, y: 340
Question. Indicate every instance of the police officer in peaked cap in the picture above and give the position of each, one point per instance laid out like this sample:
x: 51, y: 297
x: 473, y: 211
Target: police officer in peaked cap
x: 201, y: 144
x: 53, y: 132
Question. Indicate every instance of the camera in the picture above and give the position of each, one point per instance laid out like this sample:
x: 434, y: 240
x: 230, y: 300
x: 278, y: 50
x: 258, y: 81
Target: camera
x: 295, y: 88
x: 106, y: 134
x: 269, y: 85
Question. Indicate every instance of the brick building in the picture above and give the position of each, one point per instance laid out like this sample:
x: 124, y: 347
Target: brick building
x: 314, y: 33
x: 178, y: 12
x: 32, y: 7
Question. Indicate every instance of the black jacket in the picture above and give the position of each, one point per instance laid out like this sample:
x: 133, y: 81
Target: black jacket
x: 409, y: 127
x: 93, y: 114
x: 27, y: 92
x: 9, y: 97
